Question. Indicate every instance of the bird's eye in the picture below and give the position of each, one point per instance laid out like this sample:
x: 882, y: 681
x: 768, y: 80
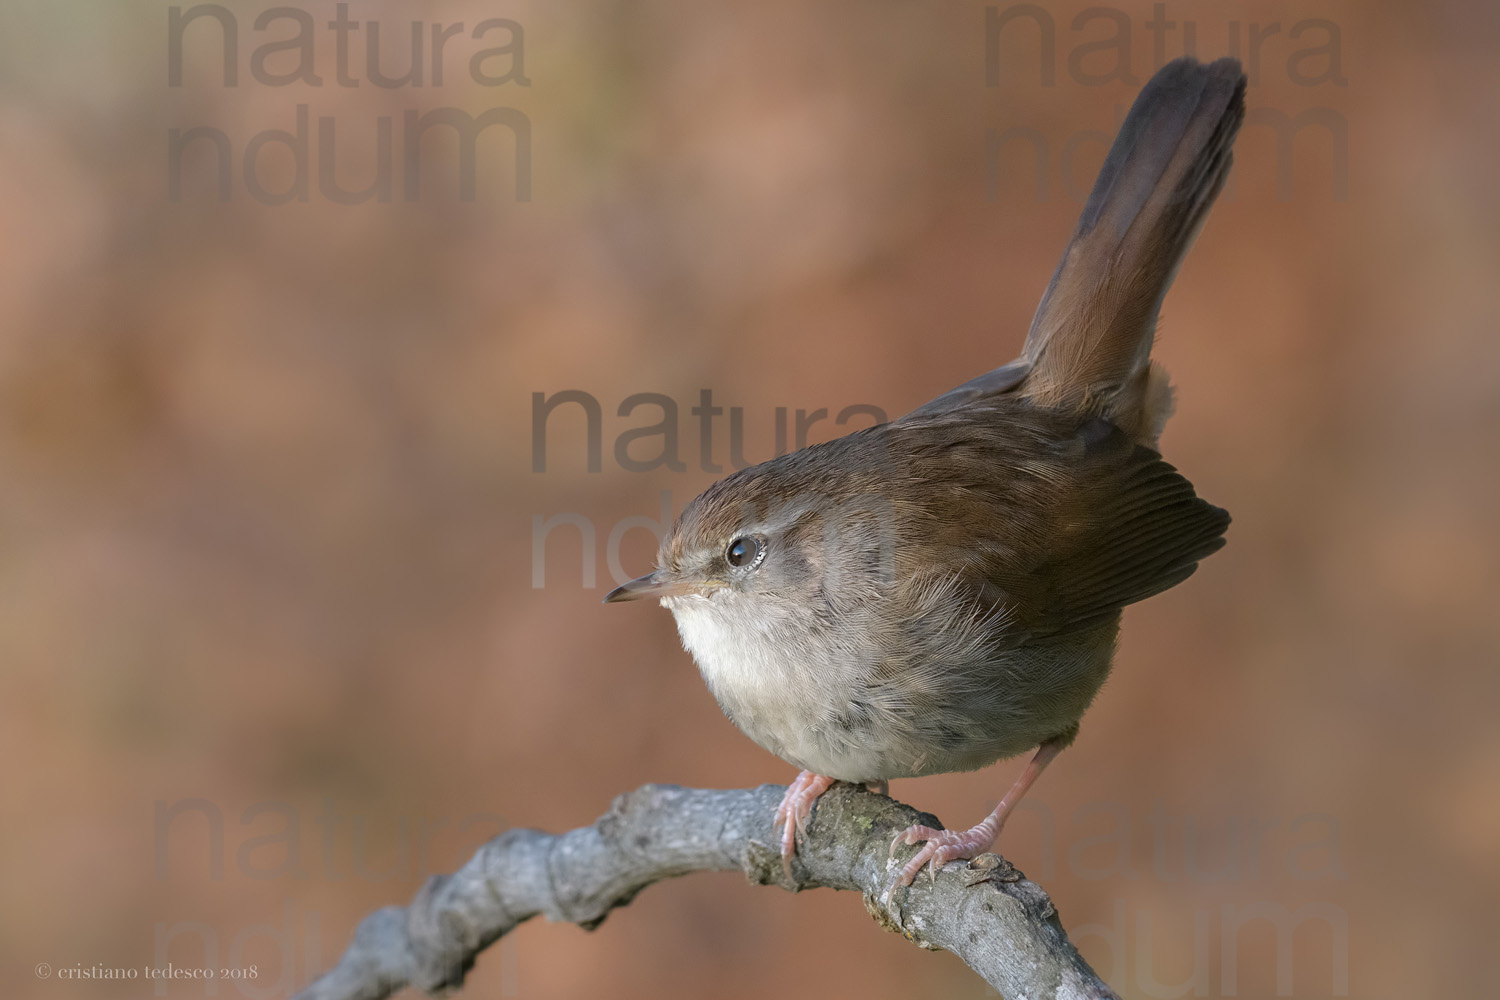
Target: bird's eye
x: 742, y: 552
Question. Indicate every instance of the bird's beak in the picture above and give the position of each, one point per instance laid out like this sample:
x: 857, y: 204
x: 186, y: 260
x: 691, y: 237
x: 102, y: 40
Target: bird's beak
x: 657, y: 584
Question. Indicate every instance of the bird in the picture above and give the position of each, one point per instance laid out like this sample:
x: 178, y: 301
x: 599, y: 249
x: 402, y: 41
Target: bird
x: 944, y: 590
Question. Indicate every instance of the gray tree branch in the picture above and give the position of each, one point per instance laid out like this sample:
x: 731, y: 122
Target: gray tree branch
x: 985, y: 911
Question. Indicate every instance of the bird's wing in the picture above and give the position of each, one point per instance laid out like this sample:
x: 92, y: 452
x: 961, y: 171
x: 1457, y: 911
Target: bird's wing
x: 992, y: 383
x: 1061, y: 521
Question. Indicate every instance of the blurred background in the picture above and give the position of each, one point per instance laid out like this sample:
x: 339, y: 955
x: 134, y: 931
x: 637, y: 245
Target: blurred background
x: 280, y: 635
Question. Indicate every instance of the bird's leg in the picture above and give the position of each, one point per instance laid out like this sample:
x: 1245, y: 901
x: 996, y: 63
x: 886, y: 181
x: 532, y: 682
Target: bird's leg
x: 796, y: 807
x: 881, y: 787
x: 943, y: 846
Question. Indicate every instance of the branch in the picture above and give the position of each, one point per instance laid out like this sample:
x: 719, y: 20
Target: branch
x: 985, y: 912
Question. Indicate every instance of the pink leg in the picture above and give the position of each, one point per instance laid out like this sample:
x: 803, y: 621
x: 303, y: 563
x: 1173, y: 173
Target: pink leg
x: 943, y: 846
x: 796, y: 807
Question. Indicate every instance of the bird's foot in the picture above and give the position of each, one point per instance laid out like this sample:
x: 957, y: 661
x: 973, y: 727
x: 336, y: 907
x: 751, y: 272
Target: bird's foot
x: 796, y: 806
x: 941, y: 847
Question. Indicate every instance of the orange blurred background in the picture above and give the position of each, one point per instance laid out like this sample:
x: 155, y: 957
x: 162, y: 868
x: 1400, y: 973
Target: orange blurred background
x: 267, y: 516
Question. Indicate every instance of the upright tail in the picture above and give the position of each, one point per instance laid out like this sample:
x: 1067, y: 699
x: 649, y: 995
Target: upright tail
x: 1090, y: 343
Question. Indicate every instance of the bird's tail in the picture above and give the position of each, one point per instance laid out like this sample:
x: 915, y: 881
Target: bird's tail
x: 1090, y: 342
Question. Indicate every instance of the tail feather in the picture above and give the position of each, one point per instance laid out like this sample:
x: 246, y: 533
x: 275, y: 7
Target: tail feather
x: 1090, y: 342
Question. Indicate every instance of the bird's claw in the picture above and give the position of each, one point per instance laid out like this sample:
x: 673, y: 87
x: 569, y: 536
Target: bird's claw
x: 794, y: 812
x: 912, y: 835
x: 940, y: 847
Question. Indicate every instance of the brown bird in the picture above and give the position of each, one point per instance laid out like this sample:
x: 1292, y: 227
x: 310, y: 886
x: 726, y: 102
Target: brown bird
x: 942, y: 591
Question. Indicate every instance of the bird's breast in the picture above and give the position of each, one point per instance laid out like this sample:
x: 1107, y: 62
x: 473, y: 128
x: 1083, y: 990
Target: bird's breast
x: 780, y: 679
x: 865, y: 704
